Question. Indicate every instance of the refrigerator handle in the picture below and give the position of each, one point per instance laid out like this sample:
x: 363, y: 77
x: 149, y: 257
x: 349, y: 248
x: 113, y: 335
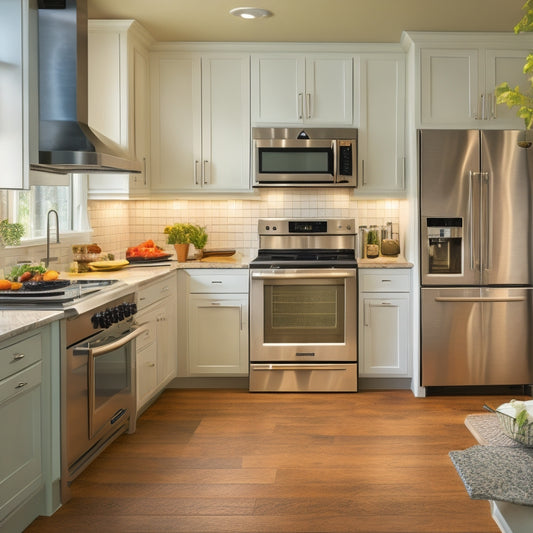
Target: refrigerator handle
x: 487, y: 216
x: 471, y: 217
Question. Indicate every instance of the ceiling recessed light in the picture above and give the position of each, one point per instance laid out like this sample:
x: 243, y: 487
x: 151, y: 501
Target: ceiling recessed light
x: 251, y: 12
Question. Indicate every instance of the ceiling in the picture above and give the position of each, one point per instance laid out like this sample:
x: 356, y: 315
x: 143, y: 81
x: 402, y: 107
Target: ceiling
x: 309, y: 20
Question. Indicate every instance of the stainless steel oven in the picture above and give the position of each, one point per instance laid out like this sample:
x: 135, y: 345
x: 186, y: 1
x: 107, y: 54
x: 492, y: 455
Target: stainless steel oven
x: 303, y: 307
x: 98, y: 383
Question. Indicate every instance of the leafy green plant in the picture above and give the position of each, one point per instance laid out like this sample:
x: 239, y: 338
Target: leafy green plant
x: 198, y: 237
x: 179, y: 233
x: 372, y: 237
x: 10, y: 234
x: 505, y: 94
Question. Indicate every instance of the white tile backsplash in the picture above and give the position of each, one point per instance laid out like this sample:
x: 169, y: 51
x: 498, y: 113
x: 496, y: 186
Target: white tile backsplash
x: 230, y: 223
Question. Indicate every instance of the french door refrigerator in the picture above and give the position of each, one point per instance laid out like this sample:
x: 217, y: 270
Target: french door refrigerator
x: 476, y: 233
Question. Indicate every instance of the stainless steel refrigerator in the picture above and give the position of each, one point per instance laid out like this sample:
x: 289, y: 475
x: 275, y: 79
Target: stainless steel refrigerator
x: 476, y: 233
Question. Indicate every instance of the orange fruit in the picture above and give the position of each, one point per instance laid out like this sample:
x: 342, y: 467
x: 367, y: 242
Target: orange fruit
x: 50, y: 275
x: 15, y: 286
x: 5, y: 284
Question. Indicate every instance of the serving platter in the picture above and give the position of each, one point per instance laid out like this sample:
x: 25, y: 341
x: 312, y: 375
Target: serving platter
x: 148, y: 259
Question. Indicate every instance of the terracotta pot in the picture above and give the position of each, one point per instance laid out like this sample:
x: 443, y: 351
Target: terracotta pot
x: 182, y: 251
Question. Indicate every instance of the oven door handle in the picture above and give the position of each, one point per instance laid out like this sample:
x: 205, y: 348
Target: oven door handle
x: 330, y: 274
x: 320, y: 366
x: 102, y: 350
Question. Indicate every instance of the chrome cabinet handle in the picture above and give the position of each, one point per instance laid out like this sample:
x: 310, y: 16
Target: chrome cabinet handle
x: 196, y: 172
x: 18, y: 356
x: 308, y: 104
x: 144, y: 171
x: 300, y: 105
x: 205, y: 172
x: 21, y: 385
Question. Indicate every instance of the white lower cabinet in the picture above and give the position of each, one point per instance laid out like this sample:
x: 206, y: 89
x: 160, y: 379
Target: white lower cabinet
x: 217, y: 322
x: 384, y: 311
x: 156, y: 349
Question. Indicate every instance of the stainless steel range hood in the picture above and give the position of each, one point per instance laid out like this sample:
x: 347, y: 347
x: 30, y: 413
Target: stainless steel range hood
x: 66, y: 142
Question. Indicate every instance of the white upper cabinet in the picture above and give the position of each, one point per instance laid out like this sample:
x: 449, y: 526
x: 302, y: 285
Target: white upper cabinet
x: 118, y: 78
x: 298, y: 89
x: 201, y: 122
x: 457, y: 76
x: 382, y: 123
x: 18, y: 85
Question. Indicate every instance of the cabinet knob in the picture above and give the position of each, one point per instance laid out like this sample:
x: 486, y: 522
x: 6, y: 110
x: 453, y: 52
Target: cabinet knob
x: 21, y: 385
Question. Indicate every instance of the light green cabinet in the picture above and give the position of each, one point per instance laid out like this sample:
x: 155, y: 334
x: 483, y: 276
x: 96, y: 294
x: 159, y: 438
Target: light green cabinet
x: 29, y: 418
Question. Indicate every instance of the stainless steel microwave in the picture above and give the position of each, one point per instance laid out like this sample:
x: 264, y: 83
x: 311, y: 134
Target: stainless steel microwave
x: 304, y: 157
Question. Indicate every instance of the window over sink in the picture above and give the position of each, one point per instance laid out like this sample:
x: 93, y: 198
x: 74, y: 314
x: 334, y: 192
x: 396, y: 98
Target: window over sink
x: 30, y: 207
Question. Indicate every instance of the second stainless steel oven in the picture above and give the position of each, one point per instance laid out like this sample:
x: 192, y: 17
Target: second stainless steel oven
x: 303, y: 308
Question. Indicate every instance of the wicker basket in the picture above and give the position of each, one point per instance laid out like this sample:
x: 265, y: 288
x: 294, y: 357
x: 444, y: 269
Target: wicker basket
x: 509, y: 425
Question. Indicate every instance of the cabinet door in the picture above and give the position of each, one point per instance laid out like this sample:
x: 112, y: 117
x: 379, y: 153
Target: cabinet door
x: 167, y: 357
x: 450, y: 87
x: 225, y: 160
x: 20, y: 445
x: 176, y: 127
x: 328, y: 90
x: 384, y: 335
x: 107, y: 79
x: 18, y: 31
x: 146, y: 373
x: 218, y: 335
x: 141, y: 104
x: 381, y: 132
x: 278, y: 87
x: 501, y: 66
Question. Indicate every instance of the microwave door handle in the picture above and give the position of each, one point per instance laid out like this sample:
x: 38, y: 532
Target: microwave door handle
x: 336, y: 155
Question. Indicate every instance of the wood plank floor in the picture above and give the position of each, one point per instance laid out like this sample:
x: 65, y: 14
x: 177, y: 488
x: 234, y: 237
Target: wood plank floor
x: 232, y: 461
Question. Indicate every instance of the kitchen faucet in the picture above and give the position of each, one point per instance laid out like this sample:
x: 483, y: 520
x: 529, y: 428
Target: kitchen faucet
x: 47, y: 261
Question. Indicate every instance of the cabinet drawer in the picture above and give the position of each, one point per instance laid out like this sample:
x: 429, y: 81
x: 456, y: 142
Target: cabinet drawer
x: 154, y: 292
x: 217, y: 283
x: 148, y: 336
x: 20, y: 382
x: 19, y: 355
x: 384, y: 281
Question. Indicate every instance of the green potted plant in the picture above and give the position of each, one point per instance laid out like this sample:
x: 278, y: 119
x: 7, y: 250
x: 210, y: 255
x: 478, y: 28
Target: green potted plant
x: 198, y: 238
x: 515, y: 97
x: 372, y: 243
x: 179, y: 234
x: 10, y: 234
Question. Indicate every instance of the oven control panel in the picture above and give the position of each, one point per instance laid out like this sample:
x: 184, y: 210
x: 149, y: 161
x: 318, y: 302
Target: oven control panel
x: 112, y: 315
x: 281, y: 226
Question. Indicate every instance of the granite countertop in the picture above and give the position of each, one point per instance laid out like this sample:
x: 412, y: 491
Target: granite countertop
x: 13, y: 322
x: 499, y: 470
x: 385, y: 262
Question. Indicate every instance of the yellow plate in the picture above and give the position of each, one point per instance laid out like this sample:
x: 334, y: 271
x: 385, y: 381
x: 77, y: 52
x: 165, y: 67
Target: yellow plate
x: 96, y: 266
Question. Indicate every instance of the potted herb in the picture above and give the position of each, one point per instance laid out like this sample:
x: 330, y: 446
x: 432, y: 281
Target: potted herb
x: 10, y: 234
x: 372, y: 243
x: 515, y: 97
x: 198, y: 238
x: 179, y: 234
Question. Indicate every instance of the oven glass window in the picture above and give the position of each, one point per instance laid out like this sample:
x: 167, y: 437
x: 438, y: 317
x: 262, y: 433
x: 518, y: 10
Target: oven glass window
x: 295, y: 161
x: 304, y: 314
x: 111, y: 375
